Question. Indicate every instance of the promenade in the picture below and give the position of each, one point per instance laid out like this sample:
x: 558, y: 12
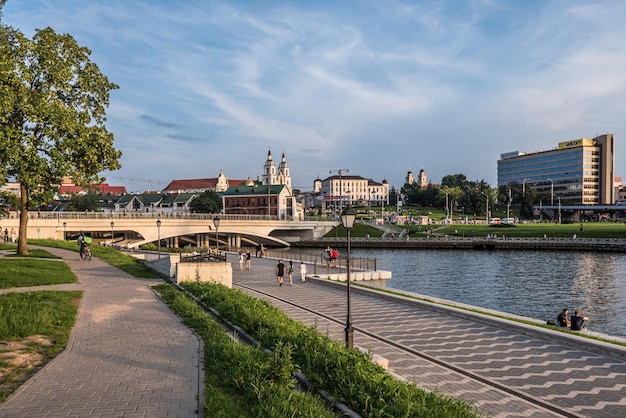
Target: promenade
x: 504, y: 369
x: 128, y: 354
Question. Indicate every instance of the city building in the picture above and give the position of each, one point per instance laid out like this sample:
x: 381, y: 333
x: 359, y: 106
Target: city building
x: 340, y: 191
x: 577, y: 172
x: 421, y: 179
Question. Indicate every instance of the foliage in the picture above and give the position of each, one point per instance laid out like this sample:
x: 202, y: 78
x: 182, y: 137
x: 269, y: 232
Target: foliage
x: 348, y: 375
x: 52, y: 117
x: 48, y: 313
x: 244, y: 381
x: 82, y: 202
x: 207, y: 202
x: 29, y: 272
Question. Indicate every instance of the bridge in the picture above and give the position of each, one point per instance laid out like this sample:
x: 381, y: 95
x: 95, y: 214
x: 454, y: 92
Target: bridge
x: 131, y: 230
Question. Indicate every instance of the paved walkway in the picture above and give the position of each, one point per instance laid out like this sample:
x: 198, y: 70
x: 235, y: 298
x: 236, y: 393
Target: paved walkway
x: 128, y: 354
x: 504, y: 373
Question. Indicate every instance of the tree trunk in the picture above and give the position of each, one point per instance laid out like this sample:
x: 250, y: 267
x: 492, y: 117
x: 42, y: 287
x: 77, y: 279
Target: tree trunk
x: 22, y: 247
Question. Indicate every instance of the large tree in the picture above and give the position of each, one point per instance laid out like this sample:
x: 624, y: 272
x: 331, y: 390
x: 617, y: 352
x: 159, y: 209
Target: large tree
x: 52, y: 117
x: 207, y: 202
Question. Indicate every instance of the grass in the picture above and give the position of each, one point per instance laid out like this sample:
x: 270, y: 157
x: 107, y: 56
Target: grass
x: 37, y: 253
x: 33, y: 272
x: 244, y: 381
x: 48, y: 314
x: 116, y: 258
x: 551, y: 230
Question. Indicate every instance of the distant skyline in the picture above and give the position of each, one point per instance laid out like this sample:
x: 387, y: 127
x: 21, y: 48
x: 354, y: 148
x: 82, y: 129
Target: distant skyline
x: 379, y: 88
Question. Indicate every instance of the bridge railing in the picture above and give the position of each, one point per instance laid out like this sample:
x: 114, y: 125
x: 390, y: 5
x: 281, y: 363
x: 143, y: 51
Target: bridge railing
x: 154, y: 215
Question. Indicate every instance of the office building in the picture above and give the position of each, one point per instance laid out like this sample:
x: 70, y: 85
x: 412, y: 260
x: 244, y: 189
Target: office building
x: 577, y: 172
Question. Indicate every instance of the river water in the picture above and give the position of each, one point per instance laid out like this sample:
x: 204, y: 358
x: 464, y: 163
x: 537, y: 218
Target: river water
x: 533, y: 284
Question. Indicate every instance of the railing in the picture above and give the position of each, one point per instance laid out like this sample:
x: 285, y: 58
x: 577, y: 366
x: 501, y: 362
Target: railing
x: 204, y: 257
x: 318, y: 262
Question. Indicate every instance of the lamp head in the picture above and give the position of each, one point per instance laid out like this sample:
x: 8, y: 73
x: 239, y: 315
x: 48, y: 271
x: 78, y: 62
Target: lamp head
x: 348, y: 217
x: 158, y: 223
x: 216, y: 222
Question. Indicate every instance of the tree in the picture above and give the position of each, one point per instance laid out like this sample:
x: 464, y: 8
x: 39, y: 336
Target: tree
x: 89, y: 201
x: 207, y: 202
x: 52, y: 117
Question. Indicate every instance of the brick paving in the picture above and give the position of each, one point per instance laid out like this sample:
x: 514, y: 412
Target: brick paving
x: 489, y: 363
x: 128, y: 354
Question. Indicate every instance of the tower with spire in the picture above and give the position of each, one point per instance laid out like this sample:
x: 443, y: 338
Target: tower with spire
x: 269, y: 170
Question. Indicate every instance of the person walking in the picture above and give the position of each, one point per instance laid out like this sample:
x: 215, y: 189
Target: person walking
x: 241, y: 257
x: 290, y: 272
x: 280, y: 272
x: 248, y: 259
x: 13, y: 235
x: 303, y: 271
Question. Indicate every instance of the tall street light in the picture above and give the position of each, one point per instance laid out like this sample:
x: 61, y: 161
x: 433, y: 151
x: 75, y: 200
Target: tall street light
x: 487, y: 207
x: 524, y: 186
x: 347, y: 220
x: 159, y: 235
x: 64, y: 232
x: 551, y: 192
x: 112, y: 237
x: 216, y: 223
x: 340, y: 171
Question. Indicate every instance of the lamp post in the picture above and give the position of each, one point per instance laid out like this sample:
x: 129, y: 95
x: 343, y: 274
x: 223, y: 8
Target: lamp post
x: 486, y: 206
x: 524, y: 186
x: 112, y: 237
x: 64, y: 233
x: 216, y: 223
x: 159, y: 235
x: 347, y: 220
x: 339, y: 171
x: 551, y: 192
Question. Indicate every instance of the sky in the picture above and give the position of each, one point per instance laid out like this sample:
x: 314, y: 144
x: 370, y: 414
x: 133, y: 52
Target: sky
x: 375, y: 88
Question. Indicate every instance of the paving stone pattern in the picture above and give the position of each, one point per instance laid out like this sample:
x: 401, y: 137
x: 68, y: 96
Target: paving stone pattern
x: 128, y: 355
x: 577, y: 382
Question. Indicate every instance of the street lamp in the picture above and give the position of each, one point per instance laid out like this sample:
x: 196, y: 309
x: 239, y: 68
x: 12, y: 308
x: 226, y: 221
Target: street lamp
x: 112, y: 236
x: 486, y: 207
x: 64, y: 233
x: 524, y: 186
x: 551, y: 192
x: 159, y: 235
x: 347, y: 220
x: 216, y: 223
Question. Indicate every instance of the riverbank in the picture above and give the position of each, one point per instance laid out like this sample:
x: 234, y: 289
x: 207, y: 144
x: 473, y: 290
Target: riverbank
x: 467, y: 243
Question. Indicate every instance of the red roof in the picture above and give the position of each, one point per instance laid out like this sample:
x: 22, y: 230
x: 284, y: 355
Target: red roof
x: 196, y: 184
x: 103, y: 188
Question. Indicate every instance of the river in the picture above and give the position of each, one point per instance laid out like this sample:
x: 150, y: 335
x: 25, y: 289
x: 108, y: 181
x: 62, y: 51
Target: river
x: 533, y: 284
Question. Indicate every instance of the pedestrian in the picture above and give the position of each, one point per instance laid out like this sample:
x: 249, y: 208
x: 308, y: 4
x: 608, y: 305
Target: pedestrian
x: 258, y: 249
x: 6, y: 235
x: 303, y: 271
x: 248, y: 259
x: 13, y: 235
x: 262, y: 250
x: 578, y: 321
x: 241, y: 260
x: 280, y: 272
x: 290, y: 272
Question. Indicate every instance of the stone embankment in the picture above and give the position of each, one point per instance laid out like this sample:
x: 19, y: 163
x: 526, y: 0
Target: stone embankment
x: 462, y: 243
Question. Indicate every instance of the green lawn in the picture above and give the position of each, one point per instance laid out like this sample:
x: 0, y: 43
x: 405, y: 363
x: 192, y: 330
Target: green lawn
x: 33, y: 272
x: 551, y: 230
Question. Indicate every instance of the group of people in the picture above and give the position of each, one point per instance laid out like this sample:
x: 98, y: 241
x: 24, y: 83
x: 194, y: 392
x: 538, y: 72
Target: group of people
x: 575, y: 322
x: 245, y: 258
x: 12, y: 234
x: 280, y: 272
x: 331, y: 256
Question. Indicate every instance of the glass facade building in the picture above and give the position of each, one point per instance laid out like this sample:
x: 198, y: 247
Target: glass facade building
x: 577, y: 172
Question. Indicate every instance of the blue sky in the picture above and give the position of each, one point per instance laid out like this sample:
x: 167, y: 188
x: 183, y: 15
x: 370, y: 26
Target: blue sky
x: 377, y: 87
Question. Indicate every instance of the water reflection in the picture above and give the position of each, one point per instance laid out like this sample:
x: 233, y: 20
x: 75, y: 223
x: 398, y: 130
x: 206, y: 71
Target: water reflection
x: 533, y: 284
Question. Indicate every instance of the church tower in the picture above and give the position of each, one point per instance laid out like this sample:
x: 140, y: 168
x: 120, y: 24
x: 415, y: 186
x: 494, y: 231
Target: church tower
x: 283, y: 172
x: 269, y: 170
x: 410, y: 179
x: 422, y: 179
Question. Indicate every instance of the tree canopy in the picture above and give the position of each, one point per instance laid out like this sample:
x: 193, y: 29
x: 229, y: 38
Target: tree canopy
x: 207, y: 202
x: 52, y: 117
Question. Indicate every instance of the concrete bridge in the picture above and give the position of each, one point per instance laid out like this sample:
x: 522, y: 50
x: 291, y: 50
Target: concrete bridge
x: 131, y: 230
